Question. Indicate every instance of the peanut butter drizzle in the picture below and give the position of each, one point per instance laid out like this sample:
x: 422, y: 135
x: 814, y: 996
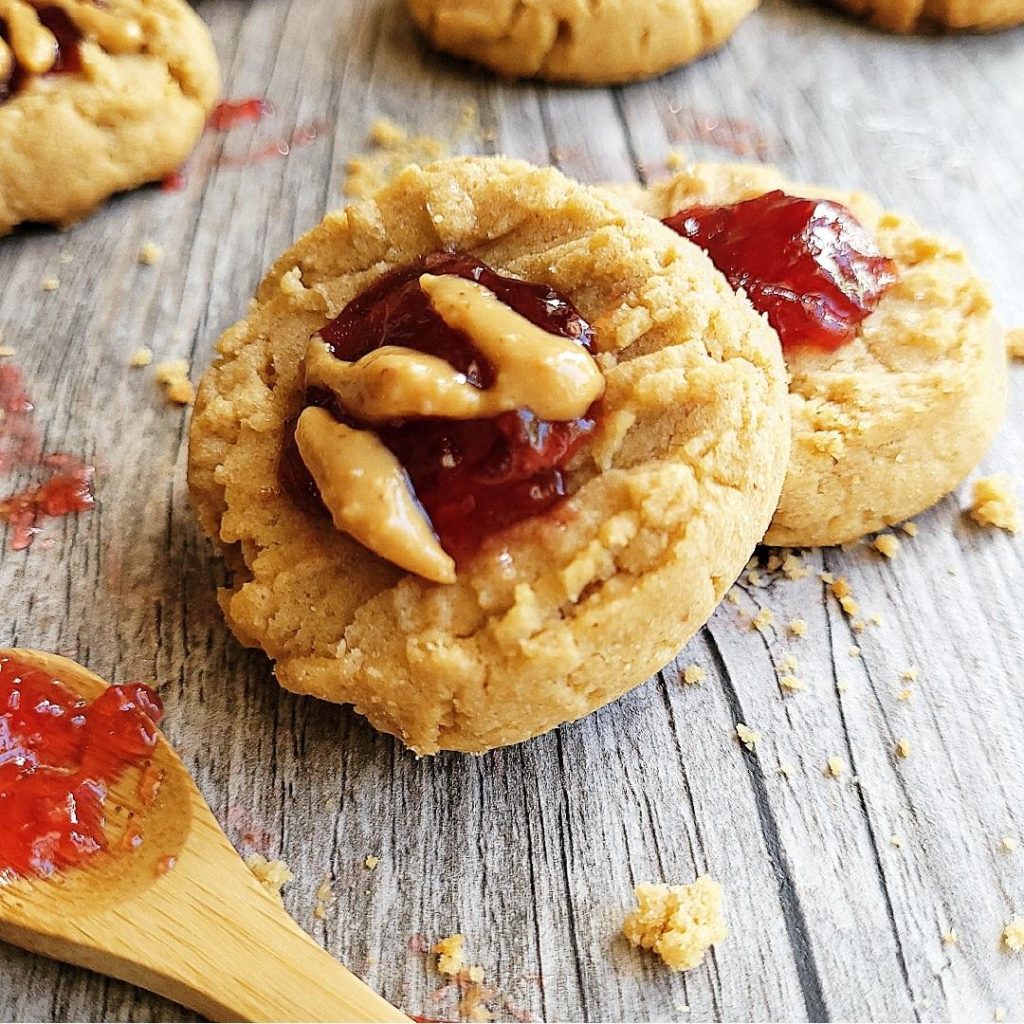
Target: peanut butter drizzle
x: 34, y: 46
x: 369, y: 495
x: 553, y: 377
x: 363, y: 485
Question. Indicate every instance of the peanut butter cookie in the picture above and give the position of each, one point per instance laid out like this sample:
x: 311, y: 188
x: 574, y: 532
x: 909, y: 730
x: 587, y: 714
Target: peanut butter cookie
x: 890, y: 412
x: 947, y: 15
x: 589, y: 422
x: 578, y: 40
x: 95, y: 99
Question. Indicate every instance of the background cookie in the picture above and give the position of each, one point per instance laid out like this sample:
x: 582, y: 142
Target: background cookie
x: 919, y: 16
x: 128, y: 114
x: 562, y: 613
x: 888, y: 423
x: 576, y: 40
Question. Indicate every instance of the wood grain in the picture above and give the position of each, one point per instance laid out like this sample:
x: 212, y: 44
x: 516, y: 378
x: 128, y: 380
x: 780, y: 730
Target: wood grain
x: 532, y: 852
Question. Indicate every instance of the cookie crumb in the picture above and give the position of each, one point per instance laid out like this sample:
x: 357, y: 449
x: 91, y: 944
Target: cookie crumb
x: 788, y: 663
x: 999, y: 1013
x: 793, y: 568
x: 949, y: 938
x: 1013, y: 935
x: 910, y: 673
x: 854, y: 651
x: 903, y: 747
x: 386, y: 133
x: 49, y: 284
x: 394, y: 149
x: 896, y: 841
x: 693, y: 675
x: 150, y: 254
x: 754, y: 578
x: 910, y: 529
x: 324, y: 898
x: 798, y: 627
x: 7, y: 350
x: 888, y: 544
x: 172, y: 376
x: 792, y: 684
x: 371, y: 862
x: 842, y: 685
x: 787, y: 769
x: 849, y: 605
x: 1015, y: 342
x: 273, y: 875
x: 995, y: 503
x: 1008, y: 844
x: 763, y: 619
x: 827, y: 578
x: 906, y: 694
x: 449, y: 952
x: 141, y: 357
x: 677, y: 922
x: 841, y: 588
x: 876, y: 619
x: 747, y: 736
x: 836, y: 766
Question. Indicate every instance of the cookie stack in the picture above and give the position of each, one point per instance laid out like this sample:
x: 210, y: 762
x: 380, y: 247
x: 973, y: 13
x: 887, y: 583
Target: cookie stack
x: 491, y: 445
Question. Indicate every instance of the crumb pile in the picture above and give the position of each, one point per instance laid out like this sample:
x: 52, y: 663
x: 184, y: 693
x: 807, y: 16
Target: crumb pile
x: 678, y: 922
x: 273, y: 875
x: 995, y: 503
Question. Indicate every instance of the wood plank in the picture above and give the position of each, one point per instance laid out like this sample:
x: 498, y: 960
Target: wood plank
x: 533, y: 852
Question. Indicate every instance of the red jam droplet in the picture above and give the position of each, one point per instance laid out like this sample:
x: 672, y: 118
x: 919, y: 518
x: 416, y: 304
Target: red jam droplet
x: 68, y: 56
x: 229, y: 113
x: 808, y: 264
x: 67, y: 491
x: 473, y: 478
x: 58, y: 756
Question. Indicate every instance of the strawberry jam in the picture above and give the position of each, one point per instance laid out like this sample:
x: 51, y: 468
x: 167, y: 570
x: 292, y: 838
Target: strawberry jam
x: 473, y: 478
x: 807, y: 264
x: 58, y: 755
x: 68, y: 56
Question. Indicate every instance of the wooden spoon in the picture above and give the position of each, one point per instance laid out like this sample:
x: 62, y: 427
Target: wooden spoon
x: 202, y: 932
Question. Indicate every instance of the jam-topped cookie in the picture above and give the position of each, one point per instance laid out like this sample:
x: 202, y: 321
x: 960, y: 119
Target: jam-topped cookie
x: 570, y: 41
x: 487, y: 450
x: 943, y: 16
x: 898, y: 372
x: 96, y: 97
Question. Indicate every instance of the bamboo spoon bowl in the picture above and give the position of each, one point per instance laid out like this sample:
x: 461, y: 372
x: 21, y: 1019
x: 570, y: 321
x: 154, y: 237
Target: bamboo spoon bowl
x: 180, y: 914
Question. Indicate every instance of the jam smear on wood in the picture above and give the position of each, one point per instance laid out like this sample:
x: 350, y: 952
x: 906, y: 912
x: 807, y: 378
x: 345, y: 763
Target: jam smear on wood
x: 473, y: 478
x: 229, y: 113
x: 808, y: 264
x: 68, y: 58
x: 66, y: 487
x: 59, y: 754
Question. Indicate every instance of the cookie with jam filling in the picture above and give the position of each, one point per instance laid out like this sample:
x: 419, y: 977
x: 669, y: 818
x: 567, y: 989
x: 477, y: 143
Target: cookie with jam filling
x: 96, y: 98
x: 897, y: 364
x: 487, y: 450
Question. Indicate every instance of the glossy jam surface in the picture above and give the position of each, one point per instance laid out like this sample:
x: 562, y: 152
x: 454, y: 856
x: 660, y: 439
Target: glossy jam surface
x: 58, y: 756
x: 808, y: 264
x: 229, y: 113
x: 66, y: 491
x: 473, y: 478
x: 64, y: 484
x: 68, y: 56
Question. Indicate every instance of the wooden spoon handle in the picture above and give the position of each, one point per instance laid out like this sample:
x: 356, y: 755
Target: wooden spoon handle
x: 240, y: 956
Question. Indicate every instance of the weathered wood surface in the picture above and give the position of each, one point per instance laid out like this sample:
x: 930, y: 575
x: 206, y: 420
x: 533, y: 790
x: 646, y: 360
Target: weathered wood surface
x: 532, y: 852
